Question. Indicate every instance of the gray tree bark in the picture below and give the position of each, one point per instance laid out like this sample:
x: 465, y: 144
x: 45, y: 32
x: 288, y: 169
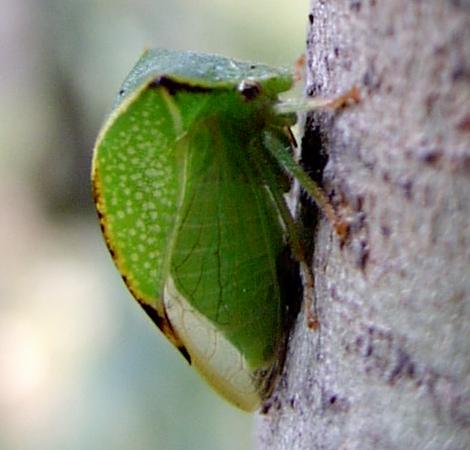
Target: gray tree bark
x: 389, y: 365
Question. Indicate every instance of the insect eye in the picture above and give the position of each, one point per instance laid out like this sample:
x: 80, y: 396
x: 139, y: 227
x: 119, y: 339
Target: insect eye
x: 250, y: 89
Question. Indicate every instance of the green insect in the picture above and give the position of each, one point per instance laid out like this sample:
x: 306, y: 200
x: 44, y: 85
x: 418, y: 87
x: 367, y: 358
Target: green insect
x: 187, y: 178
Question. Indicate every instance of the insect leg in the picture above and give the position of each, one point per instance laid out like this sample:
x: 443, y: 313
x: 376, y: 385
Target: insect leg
x: 282, y: 155
x: 312, y: 104
x: 262, y: 166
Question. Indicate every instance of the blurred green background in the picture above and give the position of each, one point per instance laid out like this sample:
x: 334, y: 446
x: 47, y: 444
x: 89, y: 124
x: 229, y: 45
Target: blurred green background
x: 81, y: 367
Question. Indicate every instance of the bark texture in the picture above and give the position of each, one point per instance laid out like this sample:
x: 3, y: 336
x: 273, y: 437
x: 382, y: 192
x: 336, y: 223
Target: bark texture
x: 389, y: 366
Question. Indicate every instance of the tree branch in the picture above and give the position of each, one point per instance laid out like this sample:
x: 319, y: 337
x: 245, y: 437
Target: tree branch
x: 389, y: 366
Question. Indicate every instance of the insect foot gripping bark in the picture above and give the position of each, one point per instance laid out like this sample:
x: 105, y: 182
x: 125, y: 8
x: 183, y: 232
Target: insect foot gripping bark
x: 186, y: 179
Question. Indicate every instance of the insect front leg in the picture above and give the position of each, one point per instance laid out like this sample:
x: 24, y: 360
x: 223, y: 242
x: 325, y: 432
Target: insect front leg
x: 285, y: 159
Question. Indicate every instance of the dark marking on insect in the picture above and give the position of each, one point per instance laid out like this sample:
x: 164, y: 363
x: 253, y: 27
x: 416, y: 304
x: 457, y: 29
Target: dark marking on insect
x: 311, y: 18
x: 95, y: 192
x: 101, y: 218
x: 249, y: 89
x: 185, y: 353
x: 127, y: 283
x: 164, y: 325
x: 173, y: 86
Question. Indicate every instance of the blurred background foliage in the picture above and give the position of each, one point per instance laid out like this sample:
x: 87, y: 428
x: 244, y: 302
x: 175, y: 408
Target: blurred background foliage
x: 81, y: 367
